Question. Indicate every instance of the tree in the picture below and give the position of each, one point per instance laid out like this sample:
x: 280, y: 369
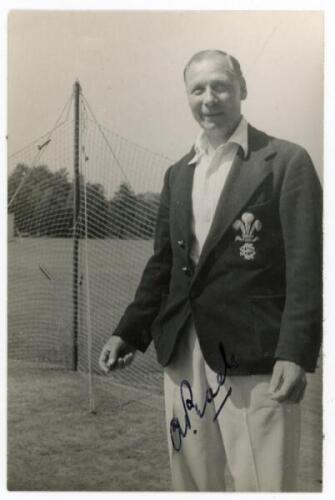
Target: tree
x: 122, y: 210
x: 43, y: 205
x: 97, y: 211
x: 39, y: 205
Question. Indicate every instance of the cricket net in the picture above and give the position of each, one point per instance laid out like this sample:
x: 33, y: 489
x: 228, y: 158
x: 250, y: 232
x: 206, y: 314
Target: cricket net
x: 77, y: 245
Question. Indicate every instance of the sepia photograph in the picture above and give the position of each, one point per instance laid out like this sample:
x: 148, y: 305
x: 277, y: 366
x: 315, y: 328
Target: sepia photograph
x: 164, y: 250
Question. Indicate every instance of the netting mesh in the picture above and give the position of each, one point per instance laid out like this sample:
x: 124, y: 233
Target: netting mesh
x: 118, y: 186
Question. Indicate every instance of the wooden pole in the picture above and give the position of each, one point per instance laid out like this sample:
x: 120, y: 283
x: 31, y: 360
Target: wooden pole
x: 76, y: 211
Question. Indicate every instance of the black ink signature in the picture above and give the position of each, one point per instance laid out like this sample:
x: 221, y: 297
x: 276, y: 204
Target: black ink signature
x: 177, y: 432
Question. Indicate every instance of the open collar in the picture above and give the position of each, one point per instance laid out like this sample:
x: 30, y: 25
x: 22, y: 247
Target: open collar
x: 239, y: 136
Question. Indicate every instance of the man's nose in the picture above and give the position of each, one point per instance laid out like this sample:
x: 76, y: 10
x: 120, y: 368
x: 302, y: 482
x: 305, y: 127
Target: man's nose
x: 209, y: 96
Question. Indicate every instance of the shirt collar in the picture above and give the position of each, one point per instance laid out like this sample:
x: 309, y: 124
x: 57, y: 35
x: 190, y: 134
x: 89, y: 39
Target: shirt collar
x: 239, y: 136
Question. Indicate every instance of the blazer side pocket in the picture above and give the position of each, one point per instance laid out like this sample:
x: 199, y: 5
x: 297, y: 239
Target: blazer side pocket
x: 267, y: 312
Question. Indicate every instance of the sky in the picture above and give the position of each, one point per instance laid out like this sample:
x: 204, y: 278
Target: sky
x: 130, y: 64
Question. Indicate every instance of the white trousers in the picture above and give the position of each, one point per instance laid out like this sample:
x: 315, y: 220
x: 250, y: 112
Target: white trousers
x: 255, y: 437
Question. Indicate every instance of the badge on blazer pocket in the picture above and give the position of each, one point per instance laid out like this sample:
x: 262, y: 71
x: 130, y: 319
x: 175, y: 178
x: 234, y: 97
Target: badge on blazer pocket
x: 247, y: 226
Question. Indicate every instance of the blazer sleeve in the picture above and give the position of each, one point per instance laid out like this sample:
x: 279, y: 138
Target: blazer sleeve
x: 135, y: 324
x: 301, y: 220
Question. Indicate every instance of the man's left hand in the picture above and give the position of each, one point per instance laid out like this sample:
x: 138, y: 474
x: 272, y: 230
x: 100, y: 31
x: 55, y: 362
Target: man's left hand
x: 288, y: 382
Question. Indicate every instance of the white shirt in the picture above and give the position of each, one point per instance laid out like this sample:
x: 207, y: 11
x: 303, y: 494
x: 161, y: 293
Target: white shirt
x: 212, y: 168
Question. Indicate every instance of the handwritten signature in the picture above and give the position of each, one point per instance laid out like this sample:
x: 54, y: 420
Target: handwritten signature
x: 177, y: 431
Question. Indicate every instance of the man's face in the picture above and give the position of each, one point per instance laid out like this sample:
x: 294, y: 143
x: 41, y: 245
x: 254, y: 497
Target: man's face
x: 214, y: 95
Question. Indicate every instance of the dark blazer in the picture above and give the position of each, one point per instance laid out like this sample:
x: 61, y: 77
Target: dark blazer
x: 257, y: 286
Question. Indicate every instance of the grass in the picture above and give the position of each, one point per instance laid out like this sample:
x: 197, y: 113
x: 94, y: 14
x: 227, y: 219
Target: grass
x: 40, y: 314
x: 54, y: 442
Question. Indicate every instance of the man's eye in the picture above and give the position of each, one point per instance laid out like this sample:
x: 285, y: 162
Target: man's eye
x: 197, y: 91
x: 220, y: 88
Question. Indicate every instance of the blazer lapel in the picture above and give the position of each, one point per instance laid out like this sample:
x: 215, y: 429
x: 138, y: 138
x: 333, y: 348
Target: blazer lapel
x: 244, y: 177
x: 183, y: 196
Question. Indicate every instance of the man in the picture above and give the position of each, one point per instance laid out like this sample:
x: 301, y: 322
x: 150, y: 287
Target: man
x: 231, y: 296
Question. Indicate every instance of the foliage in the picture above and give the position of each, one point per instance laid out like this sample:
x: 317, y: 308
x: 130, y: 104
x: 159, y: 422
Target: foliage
x: 132, y: 215
x: 43, y: 205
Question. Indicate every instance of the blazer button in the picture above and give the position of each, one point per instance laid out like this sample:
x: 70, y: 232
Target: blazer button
x: 181, y: 243
x: 186, y: 270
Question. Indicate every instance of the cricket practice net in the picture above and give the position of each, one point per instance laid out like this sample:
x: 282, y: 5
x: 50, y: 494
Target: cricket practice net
x: 82, y: 205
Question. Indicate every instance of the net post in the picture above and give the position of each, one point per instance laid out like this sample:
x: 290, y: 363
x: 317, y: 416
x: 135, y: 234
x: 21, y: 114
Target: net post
x: 76, y: 210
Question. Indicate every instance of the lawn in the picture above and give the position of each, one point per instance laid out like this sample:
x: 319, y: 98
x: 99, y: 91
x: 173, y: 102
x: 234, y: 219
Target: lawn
x: 56, y: 444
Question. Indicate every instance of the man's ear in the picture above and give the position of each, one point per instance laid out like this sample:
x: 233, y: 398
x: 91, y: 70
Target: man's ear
x: 244, y: 94
x: 244, y: 91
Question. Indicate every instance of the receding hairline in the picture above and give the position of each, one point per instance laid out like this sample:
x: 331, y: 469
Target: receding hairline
x: 210, y: 53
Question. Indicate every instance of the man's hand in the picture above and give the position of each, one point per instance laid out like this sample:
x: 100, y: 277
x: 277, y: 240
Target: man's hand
x: 288, y: 382
x: 116, y: 353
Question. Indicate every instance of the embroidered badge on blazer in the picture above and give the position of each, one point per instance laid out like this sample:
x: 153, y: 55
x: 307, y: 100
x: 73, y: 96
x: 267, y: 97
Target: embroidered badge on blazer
x: 247, y: 226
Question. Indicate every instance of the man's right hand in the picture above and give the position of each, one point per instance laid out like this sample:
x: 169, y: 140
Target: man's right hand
x: 116, y: 353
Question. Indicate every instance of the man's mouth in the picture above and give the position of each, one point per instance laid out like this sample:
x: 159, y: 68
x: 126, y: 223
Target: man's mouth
x: 210, y: 115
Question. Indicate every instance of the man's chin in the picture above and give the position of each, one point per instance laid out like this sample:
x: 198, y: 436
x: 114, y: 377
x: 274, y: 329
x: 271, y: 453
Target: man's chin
x: 211, y: 125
